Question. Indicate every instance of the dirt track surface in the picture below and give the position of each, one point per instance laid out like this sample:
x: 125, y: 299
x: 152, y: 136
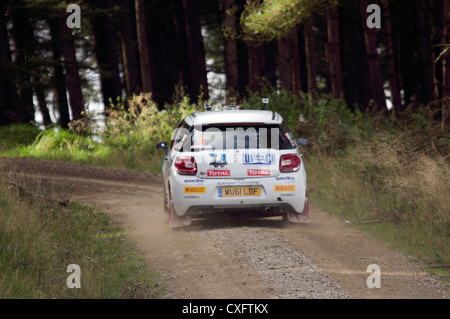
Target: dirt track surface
x: 235, y: 258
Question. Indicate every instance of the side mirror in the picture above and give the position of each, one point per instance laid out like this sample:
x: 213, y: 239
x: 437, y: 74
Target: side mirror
x: 162, y: 145
x: 302, y: 141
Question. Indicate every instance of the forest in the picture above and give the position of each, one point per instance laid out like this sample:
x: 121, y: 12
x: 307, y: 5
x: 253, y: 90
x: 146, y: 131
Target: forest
x: 219, y: 51
x: 101, y: 82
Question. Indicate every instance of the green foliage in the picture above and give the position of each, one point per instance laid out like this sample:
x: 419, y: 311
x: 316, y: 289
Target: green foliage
x: 17, y: 135
x: 128, y: 139
x: 133, y: 132
x: 287, y: 104
x: 59, y: 144
x: 326, y: 122
x: 271, y: 19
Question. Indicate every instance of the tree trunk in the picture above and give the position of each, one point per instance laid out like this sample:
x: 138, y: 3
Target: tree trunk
x: 231, y: 56
x: 310, y: 58
x: 243, y: 75
x: 376, y: 80
x: 164, y: 56
x: 424, y: 54
x: 42, y: 102
x: 390, y: 60
x: 3, y: 61
x: 3, y: 118
x: 333, y: 52
x: 59, y: 79
x: 196, y: 51
x: 405, y: 25
x: 256, y: 65
x: 355, y: 69
x: 8, y: 89
x: 130, y: 50
x: 446, y: 57
x: 143, y: 46
x: 25, y: 51
x: 289, y: 62
x: 284, y: 63
x: 72, y: 76
x: 106, y: 52
x: 190, y: 59
x: 295, y: 62
x: 270, y: 58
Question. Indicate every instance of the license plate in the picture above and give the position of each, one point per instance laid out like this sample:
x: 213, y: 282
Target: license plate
x: 239, y: 191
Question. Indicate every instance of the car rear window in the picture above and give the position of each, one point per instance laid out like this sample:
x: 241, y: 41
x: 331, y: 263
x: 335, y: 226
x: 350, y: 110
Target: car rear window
x: 236, y: 136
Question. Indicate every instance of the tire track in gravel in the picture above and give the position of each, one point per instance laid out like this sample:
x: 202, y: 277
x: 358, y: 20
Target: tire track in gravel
x: 234, y: 258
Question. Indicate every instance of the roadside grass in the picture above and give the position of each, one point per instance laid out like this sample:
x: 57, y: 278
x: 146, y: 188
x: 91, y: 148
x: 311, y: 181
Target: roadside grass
x: 40, y: 238
x: 68, y: 146
x: 17, y: 135
x: 404, y: 194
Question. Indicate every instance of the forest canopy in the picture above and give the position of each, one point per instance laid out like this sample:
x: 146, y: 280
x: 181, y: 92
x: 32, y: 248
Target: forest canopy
x: 218, y: 50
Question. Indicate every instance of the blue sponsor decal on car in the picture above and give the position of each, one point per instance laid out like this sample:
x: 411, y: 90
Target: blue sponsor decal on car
x: 197, y: 180
x: 285, y: 178
x: 258, y: 158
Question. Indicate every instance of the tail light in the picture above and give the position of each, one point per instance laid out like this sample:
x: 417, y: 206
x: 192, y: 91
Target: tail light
x: 290, y: 163
x: 186, y: 165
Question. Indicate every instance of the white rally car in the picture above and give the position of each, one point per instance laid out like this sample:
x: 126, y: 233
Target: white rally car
x: 236, y: 161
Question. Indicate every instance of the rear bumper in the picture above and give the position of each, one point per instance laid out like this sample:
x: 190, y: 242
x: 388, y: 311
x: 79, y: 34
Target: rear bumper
x: 195, y: 197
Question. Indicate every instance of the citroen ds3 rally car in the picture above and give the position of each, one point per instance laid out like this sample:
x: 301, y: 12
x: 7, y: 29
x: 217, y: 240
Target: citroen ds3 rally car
x: 233, y: 161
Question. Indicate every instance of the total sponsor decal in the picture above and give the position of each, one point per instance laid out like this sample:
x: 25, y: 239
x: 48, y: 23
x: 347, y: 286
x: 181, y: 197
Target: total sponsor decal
x: 218, y: 172
x: 284, y: 188
x: 258, y: 172
x: 195, y: 190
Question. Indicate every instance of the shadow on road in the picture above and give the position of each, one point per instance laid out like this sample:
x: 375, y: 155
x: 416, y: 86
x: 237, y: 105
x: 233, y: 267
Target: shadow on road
x: 229, y: 221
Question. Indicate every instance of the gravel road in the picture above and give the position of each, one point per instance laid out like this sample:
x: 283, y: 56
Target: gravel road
x: 227, y: 257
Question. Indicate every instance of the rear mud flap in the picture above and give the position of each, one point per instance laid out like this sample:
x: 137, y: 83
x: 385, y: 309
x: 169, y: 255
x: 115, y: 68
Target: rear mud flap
x: 297, y: 218
x: 179, y: 221
x: 302, y: 218
x: 176, y: 221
